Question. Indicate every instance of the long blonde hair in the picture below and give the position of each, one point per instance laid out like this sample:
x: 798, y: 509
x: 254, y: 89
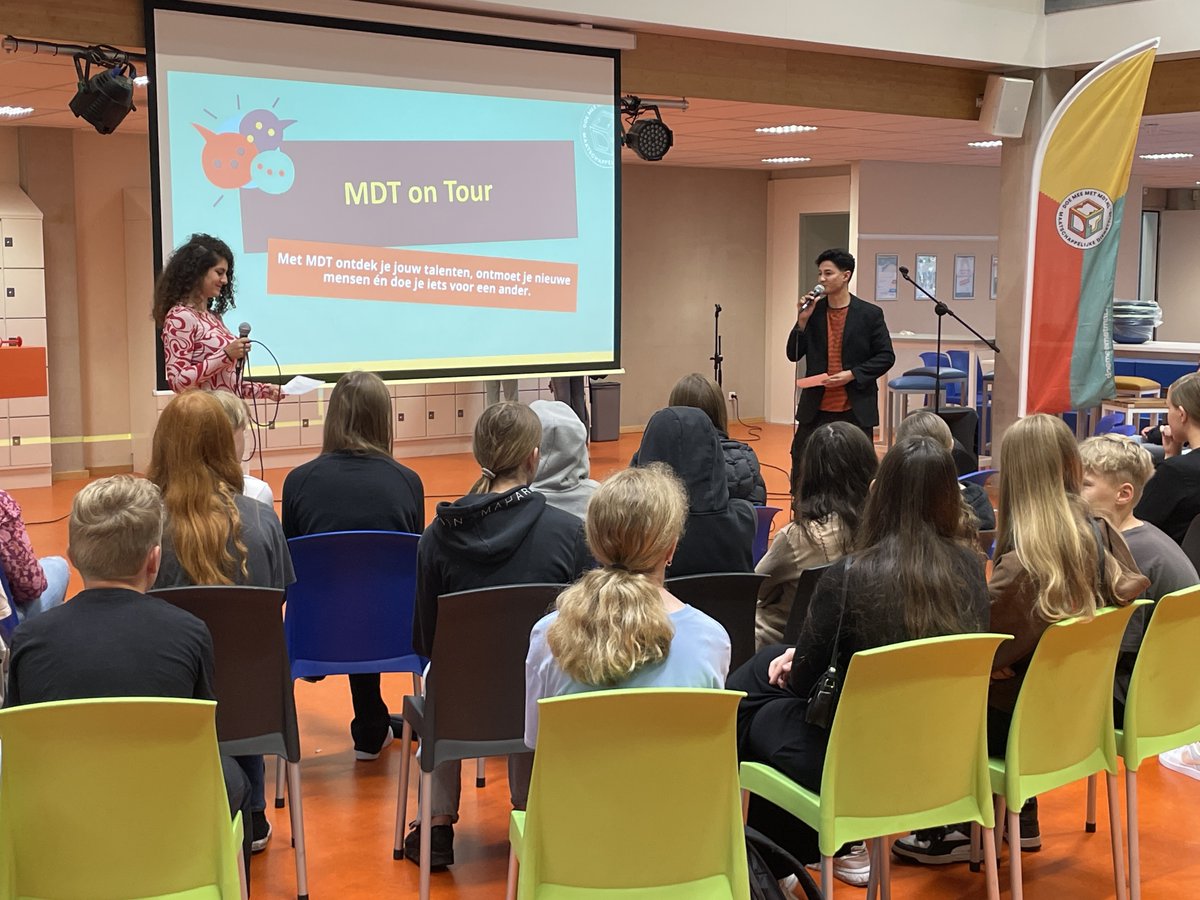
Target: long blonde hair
x: 1044, y: 521
x: 612, y: 622
x: 194, y: 464
x: 505, y: 435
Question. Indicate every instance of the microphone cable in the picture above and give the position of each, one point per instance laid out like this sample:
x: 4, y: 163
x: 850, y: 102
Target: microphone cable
x: 260, y: 421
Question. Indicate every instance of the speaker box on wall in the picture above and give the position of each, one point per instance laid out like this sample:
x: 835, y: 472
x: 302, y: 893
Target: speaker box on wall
x: 1005, y: 104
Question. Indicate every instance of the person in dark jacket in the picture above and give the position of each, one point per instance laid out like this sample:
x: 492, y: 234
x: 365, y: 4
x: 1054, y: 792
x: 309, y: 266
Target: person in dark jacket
x: 719, y: 535
x: 503, y: 532
x: 355, y: 485
x: 846, y: 338
x: 741, y: 462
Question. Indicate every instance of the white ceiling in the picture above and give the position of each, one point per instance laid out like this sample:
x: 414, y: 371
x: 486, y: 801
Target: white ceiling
x: 710, y: 134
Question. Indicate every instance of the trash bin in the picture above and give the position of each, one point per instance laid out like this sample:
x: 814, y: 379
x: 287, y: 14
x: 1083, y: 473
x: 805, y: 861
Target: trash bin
x: 606, y: 410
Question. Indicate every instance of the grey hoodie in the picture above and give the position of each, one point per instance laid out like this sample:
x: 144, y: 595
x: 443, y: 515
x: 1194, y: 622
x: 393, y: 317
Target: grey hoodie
x: 562, y: 474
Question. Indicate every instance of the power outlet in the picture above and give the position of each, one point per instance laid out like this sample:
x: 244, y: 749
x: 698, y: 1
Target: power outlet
x: 732, y: 396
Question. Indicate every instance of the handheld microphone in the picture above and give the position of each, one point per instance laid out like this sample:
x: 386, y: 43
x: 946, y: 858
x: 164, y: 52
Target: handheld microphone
x: 813, y: 296
x: 243, y: 332
x: 904, y: 271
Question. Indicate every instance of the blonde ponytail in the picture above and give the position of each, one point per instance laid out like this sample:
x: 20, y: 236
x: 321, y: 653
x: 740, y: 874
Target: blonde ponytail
x: 505, y: 435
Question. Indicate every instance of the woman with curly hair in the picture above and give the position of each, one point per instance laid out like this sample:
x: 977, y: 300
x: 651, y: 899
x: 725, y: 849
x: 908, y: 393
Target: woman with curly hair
x: 191, y: 295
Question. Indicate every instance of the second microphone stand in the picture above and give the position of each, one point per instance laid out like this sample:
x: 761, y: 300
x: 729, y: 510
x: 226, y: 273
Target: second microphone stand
x: 716, y: 357
x: 941, y: 309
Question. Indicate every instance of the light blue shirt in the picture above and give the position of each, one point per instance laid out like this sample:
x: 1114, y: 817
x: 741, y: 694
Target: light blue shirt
x: 698, y: 658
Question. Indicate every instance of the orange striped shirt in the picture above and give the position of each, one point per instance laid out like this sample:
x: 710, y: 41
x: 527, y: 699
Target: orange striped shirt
x: 835, y: 399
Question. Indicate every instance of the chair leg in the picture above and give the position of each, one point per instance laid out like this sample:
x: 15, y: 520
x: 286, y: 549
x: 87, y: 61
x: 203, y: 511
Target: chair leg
x: 424, y: 796
x: 1001, y: 818
x: 976, y: 846
x: 1014, y: 854
x: 402, y: 790
x: 293, y: 775
x: 1118, y: 839
x: 243, y: 882
x: 416, y: 681
x: 480, y: 775
x: 827, y: 877
x: 1131, y: 818
x: 884, y: 854
x: 990, y: 865
x: 873, y: 877
x: 1090, y: 822
x: 510, y: 890
x: 280, y: 776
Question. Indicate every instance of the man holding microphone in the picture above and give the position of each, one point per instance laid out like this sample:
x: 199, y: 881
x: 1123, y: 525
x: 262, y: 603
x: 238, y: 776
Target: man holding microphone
x: 845, y: 338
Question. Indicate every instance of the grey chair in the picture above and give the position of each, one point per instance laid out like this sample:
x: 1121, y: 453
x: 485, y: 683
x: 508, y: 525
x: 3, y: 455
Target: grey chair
x: 474, y: 702
x: 256, y: 709
x: 804, y: 591
x: 729, y: 597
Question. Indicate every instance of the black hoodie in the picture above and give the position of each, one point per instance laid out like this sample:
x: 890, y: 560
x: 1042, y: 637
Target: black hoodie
x: 719, y: 534
x: 488, y: 540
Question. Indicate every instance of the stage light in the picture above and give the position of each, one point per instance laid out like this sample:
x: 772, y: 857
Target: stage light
x: 103, y: 100
x: 1162, y: 156
x: 649, y: 138
x: 985, y: 145
x: 15, y: 112
x: 785, y: 129
x: 786, y: 160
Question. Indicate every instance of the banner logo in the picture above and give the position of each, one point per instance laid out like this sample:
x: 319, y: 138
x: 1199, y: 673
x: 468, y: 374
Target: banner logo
x: 1084, y: 218
x: 599, y: 135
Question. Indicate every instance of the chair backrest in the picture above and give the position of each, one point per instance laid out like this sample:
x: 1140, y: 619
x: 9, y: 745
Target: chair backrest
x: 986, y: 542
x: 256, y: 710
x: 980, y: 478
x: 9, y: 623
x: 908, y: 746
x: 88, y: 818
x: 1191, y: 543
x: 351, y: 608
x: 476, y: 687
x: 658, y: 807
x: 1062, y: 726
x: 799, y: 612
x: 729, y: 597
x: 762, y: 534
x: 1162, y: 710
x: 931, y: 358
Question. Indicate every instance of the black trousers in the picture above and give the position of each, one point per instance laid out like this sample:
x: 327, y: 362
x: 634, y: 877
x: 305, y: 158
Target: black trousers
x: 805, y: 429
x: 371, y: 721
x: 237, y: 786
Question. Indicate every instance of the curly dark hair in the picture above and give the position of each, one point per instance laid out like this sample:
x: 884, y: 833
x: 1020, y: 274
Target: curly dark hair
x: 183, y: 271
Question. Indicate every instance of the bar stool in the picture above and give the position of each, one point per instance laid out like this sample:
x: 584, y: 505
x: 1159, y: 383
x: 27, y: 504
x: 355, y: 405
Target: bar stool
x: 905, y: 386
x: 1133, y: 408
x: 1136, y: 386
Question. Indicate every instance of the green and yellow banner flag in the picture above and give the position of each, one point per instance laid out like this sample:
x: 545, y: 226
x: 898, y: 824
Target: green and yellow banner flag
x: 1080, y: 175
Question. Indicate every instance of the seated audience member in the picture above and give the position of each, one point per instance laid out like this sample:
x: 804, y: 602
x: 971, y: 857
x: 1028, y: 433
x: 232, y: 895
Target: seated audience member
x: 355, y: 485
x: 563, y: 469
x: 112, y: 640
x: 239, y: 420
x: 1115, y: 470
x: 503, y: 532
x: 741, y: 462
x: 835, y: 477
x: 618, y: 627
x: 719, y: 535
x: 911, y: 575
x: 923, y: 422
x: 1171, y: 499
x: 213, y: 533
x: 1046, y: 570
x: 36, y: 584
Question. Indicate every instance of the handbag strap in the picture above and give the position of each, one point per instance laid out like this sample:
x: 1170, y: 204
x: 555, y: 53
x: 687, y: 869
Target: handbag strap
x: 837, y: 636
x: 1099, y: 559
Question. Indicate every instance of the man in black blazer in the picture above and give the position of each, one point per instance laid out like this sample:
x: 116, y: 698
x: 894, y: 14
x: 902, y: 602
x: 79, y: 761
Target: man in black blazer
x: 846, y: 338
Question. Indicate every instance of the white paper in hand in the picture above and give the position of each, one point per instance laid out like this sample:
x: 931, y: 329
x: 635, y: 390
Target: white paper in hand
x: 301, y: 384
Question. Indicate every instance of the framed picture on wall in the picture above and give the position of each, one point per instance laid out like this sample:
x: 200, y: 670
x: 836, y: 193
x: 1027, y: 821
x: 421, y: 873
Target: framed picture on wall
x: 995, y: 276
x: 926, y: 275
x: 886, y: 265
x: 964, y: 277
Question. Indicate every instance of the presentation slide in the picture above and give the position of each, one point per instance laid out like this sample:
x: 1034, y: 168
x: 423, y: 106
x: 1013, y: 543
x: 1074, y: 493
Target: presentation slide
x: 421, y: 206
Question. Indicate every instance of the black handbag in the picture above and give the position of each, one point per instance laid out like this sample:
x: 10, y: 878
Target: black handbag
x: 823, y: 698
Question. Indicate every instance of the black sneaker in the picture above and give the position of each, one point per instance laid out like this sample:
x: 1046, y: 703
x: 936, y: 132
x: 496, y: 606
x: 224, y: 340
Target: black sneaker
x: 936, y: 846
x: 441, y: 849
x: 261, y: 834
x: 1031, y: 834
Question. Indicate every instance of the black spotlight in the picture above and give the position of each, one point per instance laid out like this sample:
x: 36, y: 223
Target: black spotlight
x: 648, y: 138
x: 103, y: 100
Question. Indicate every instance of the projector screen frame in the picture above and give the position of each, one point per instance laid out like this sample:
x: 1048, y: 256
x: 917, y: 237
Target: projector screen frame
x: 431, y: 375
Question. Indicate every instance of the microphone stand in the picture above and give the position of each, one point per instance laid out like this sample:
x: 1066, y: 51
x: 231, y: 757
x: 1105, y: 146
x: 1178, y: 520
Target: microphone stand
x: 941, y: 309
x: 716, y: 357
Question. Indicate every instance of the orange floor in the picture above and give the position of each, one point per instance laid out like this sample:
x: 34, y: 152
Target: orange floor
x: 350, y: 806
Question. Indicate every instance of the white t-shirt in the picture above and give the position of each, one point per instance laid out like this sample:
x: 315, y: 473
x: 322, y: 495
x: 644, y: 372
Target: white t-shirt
x: 257, y: 489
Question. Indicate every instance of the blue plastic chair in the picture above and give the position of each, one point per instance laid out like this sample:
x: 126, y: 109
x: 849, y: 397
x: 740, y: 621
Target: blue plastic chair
x: 9, y: 624
x: 1114, y: 423
x: 980, y: 478
x: 766, y: 515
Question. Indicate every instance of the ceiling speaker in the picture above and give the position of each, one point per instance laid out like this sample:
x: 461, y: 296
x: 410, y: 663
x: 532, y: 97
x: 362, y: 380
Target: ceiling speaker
x: 1005, y: 104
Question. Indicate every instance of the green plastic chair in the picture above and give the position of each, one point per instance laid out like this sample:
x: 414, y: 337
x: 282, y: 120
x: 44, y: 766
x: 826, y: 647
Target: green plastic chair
x: 655, y: 815
x: 1162, y: 710
x: 1062, y: 727
x: 82, y: 809
x: 908, y: 750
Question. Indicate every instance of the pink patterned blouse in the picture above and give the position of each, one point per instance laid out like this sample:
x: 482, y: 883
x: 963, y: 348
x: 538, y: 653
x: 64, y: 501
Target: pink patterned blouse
x: 194, y: 341
x: 17, y: 559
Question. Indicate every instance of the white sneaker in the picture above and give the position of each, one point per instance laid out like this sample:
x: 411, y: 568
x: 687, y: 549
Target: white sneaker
x: 1184, y: 760
x: 788, y: 885
x: 853, y: 868
x: 365, y: 756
